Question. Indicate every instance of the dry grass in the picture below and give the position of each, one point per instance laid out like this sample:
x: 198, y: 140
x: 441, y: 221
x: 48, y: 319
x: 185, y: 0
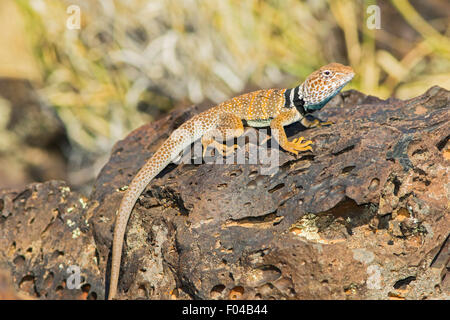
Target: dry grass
x: 153, y: 54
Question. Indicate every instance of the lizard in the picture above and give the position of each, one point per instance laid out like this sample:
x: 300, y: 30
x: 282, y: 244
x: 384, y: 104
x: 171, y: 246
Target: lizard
x: 275, y: 108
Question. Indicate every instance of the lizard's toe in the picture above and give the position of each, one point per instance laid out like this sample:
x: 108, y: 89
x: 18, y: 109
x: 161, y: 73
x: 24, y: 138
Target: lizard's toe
x: 304, y: 148
x: 297, y: 145
x: 298, y: 140
x: 326, y: 123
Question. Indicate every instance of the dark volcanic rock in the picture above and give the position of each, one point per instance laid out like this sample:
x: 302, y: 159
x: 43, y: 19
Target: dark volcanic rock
x: 44, y: 239
x: 363, y: 216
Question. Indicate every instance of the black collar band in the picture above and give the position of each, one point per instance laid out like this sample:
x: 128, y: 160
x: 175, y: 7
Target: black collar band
x: 300, y: 106
x: 287, y: 98
x: 296, y: 102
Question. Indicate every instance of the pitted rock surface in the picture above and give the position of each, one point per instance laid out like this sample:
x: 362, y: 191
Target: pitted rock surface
x: 363, y: 216
x: 46, y: 245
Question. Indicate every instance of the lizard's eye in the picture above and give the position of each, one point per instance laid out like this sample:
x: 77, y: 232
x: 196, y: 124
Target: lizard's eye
x: 326, y: 73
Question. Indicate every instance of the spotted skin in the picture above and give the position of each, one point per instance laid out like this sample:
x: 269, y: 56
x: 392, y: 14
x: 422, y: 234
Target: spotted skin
x: 274, y: 107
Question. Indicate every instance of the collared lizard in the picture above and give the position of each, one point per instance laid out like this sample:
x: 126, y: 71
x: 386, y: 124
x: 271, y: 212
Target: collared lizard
x: 273, y: 107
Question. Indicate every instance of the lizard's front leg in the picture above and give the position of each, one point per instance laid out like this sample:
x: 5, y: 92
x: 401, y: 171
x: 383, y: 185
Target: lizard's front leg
x: 277, y: 128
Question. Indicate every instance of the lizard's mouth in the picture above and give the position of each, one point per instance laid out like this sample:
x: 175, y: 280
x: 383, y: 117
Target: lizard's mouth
x: 346, y: 80
x: 350, y: 76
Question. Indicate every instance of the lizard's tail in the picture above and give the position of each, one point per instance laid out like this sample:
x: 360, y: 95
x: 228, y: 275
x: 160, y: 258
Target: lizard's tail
x: 171, y: 148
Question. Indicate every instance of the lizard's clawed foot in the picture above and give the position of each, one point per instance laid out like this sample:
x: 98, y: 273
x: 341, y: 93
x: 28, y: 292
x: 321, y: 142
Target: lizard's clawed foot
x: 226, y: 150
x: 223, y: 149
x: 318, y: 123
x: 296, y: 145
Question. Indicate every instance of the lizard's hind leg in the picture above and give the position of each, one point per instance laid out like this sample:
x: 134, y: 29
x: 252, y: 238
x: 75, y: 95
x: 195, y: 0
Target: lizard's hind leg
x: 229, y: 127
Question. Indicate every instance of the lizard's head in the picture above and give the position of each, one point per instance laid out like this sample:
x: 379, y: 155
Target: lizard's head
x: 324, y: 84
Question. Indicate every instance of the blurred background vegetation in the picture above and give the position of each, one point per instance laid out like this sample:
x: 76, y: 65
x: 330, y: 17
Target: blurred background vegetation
x: 132, y: 61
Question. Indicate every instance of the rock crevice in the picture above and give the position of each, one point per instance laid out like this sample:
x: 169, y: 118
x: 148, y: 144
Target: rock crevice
x: 363, y: 216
